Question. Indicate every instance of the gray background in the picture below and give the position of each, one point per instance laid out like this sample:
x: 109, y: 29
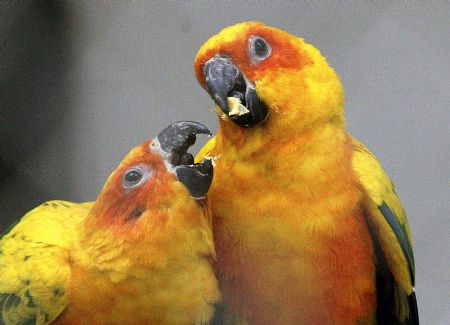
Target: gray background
x: 81, y: 84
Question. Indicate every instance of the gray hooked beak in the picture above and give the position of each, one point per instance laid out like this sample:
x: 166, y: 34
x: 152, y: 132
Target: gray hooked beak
x: 224, y: 80
x: 174, y: 142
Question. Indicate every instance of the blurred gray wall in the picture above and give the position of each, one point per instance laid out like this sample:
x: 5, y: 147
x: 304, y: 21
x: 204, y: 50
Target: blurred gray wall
x: 82, y: 83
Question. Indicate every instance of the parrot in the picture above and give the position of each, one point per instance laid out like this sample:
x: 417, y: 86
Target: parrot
x: 308, y: 228
x: 139, y: 254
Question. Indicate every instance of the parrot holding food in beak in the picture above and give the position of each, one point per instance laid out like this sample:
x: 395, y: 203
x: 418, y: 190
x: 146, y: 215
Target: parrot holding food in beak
x: 308, y: 228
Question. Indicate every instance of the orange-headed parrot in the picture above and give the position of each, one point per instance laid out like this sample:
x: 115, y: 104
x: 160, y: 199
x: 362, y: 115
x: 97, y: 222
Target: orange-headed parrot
x: 307, y: 226
x: 139, y: 254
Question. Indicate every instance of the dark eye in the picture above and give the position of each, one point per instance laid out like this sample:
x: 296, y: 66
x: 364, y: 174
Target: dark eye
x: 132, y: 177
x: 259, y: 49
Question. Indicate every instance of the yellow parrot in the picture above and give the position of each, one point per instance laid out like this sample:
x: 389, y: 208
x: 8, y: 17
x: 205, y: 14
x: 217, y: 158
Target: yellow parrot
x: 307, y: 226
x: 139, y: 254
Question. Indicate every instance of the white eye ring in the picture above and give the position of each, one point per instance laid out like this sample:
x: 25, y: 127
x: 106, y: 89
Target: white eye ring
x: 258, y: 49
x: 135, y: 176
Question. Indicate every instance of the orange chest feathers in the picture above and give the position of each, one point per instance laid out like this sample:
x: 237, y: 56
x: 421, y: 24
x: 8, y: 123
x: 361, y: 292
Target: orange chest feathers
x: 292, y: 243
x: 163, y: 299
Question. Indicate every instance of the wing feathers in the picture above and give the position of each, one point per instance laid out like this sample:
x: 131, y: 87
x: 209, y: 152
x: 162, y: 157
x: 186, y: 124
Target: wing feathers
x: 402, y: 239
x: 34, y: 273
x: 391, y: 234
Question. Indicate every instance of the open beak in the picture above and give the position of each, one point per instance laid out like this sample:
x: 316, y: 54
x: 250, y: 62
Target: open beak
x: 226, y: 83
x: 173, y: 142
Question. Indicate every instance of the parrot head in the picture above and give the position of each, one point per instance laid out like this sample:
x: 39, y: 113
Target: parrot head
x: 262, y: 76
x: 152, y: 202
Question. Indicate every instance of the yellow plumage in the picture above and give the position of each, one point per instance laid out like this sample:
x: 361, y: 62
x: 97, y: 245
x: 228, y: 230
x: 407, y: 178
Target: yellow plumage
x: 307, y: 226
x: 137, y: 255
x: 34, y: 258
x: 380, y: 189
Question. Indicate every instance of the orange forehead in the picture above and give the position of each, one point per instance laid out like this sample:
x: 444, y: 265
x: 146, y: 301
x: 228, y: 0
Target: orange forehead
x: 148, y: 160
x: 116, y: 204
x: 140, y: 155
x: 287, y: 49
